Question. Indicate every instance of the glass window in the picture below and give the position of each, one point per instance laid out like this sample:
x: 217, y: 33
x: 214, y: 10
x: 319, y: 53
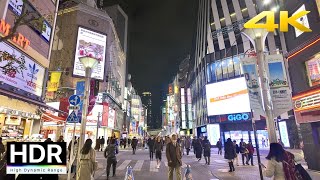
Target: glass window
x: 209, y: 73
x: 236, y: 65
x: 224, y: 66
x: 230, y: 67
x: 218, y: 70
x: 213, y: 72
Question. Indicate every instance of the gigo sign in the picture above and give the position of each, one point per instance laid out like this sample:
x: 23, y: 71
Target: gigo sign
x: 238, y: 117
x: 19, y: 39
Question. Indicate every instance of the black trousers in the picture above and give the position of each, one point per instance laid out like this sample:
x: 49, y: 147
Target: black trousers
x: 188, y: 149
x: 250, y: 157
x: 113, y: 162
x: 151, y: 154
x: 244, y: 156
x: 134, y: 150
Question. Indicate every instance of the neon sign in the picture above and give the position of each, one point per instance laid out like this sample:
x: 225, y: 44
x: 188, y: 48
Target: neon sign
x: 238, y: 117
x: 19, y: 39
x: 307, y: 102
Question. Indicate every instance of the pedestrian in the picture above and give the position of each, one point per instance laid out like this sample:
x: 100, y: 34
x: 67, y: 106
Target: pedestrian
x: 129, y: 141
x: 198, y: 149
x: 237, y: 150
x: 229, y: 154
x: 108, y: 140
x: 158, y: 147
x: 97, y: 147
x: 110, y: 155
x: 250, y: 153
x: 243, y: 151
x: 188, y: 145
x: 263, y: 142
x: 125, y: 142
x: 102, y: 141
x: 60, y: 139
x: 87, y: 161
x: 219, y: 146
x: 174, y: 155
x: 281, y: 163
x: 134, y: 144
x: 206, y: 150
x: 48, y: 140
x: 73, y: 161
x: 2, y: 148
x: 193, y: 144
x: 151, y: 143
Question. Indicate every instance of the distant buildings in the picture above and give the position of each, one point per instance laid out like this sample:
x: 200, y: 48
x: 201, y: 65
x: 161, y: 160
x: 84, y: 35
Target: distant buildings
x: 147, y: 101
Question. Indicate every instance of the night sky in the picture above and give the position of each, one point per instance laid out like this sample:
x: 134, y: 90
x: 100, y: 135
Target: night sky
x: 161, y: 35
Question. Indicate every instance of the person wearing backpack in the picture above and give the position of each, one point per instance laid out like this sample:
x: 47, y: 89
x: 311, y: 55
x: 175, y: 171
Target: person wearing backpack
x: 206, y: 150
x: 110, y: 155
x: 282, y: 165
x: 243, y: 151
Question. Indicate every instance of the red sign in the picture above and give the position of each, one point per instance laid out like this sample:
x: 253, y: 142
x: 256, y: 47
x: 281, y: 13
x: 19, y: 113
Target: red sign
x: 105, y: 114
x: 64, y: 106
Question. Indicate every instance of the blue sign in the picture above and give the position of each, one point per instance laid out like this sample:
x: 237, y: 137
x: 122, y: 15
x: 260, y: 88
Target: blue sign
x: 74, y: 100
x: 203, y: 129
x: 80, y: 88
x: 239, y: 117
x: 73, y: 118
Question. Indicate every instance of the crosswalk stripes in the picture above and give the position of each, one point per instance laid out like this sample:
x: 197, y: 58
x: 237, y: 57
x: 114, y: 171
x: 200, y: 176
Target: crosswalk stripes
x: 124, y: 165
x: 138, y: 165
x: 153, y: 166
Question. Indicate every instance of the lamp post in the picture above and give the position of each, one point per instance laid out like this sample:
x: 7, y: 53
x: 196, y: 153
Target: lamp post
x: 88, y: 64
x: 257, y: 38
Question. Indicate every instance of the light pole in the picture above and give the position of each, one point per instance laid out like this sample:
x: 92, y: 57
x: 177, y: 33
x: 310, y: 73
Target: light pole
x: 88, y: 64
x: 257, y: 38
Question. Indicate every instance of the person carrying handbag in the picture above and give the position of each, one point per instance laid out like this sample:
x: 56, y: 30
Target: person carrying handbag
x: 88, y: 164
x: 110, y: 155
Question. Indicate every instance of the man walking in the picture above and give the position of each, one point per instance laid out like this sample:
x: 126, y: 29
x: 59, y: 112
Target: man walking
x: 102, y: 141
x: 151, y: 143
x: 188, y: 145
x: 219, y: 146
x: 134, y: 144
x: 110, y: 155
x: 174, y: 155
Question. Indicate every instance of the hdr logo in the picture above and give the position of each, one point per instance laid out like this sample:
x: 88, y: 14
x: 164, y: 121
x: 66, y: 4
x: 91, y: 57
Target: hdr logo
x: 36, y: 158
x: 239, y: 117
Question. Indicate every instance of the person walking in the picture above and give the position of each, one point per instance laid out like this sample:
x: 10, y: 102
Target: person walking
x: 124, y: 143
x: 97, y: 146
x: 60, y: 139
x: 102, y: 141
x: 281, y: 163
x: 182, y: 142
x: 134, y: 144
x: 198, y: 149
x: 188, y: 145
x: 74, y: 159
x: 87, y: 161
x: 250, y: 153
x: 2, y: 148
x: 158, y: 147
x: 150, y: 144
x: 206, y: 150
x: 237, y: 150
x: 108, y: 140
x: 110, y: 155
x: 219, y: 146
x: 194, y: 144
x: 174, y: 155
x: 243, y: 151
x: 229, y: 154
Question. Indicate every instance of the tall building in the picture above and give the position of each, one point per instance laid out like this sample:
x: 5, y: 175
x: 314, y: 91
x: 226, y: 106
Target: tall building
x: 303, y: 60
x: 147, y: 101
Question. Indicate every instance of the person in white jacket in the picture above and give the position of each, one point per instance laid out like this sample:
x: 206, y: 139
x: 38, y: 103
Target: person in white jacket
x: 277, y: 160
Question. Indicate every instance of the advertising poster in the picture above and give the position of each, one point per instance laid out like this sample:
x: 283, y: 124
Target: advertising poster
x: 16, y: 6
x: 284, y: 133
x: 279, y: 87
x: 92, y: 117
x: 313, y: 69
x: 228, y: 97
x: 249, y: 68
x: 302, y: 20
x: 20, y: 71
x: 111, y: 119
x: 90, y: 44
x: 213, y: 133
x: 318, y: 6
x: 105, y: 114
x: 80, y: 88
x: 53, y: 84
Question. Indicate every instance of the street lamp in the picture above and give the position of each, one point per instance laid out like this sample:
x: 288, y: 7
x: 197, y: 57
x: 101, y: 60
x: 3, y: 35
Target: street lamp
x: 88, y: 63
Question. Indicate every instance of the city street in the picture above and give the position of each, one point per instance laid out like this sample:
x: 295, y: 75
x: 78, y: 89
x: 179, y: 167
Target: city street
x: 146, y: 169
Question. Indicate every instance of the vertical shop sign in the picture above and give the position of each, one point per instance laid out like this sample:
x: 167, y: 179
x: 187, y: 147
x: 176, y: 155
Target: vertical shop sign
x: 249, y: 65
x: 53, y: 84
x: 284, y: 133
x: 105, y: 114
x: 279, y: 86
x: 64, y: 106
x: 80, y: 88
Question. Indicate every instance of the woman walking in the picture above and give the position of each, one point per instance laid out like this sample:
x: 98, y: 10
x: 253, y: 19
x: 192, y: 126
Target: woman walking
x: 87, y: 161
x: 158, y: 148
x: 198, y: 149
x: 237, y: 150
x: 281, y: 163
x: 206, y: 150
x: 110, y: 154
x: 229, y: 153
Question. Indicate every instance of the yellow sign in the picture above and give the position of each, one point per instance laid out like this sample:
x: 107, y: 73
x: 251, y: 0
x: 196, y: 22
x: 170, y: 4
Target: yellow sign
x: 176, y: 89
x: 53, y: 84
x: 285, y: 20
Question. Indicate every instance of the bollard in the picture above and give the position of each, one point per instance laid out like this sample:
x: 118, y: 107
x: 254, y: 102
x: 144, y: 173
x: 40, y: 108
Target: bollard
x: 187, y: 174
x: 129, y: 174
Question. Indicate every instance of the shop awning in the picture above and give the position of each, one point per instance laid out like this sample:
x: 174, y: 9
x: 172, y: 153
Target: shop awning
x: 22, y: 98
x: 47, y: 117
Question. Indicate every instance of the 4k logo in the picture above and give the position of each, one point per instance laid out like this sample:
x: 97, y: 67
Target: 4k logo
x: 285, y: 20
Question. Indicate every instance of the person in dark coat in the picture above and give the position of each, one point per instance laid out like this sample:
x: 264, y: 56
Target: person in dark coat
x: 193, y: 143
x: 97, y: 147
x: 134, y: 144
x: 174, y: 156
x: 151, y: 142
x: 110, y: 155
x: 188, y: 144
x: 229, y: 153
x: 158, y: 147
x: 102, y: 141
x: 219, y: 146
x: 206, y: 150
x: 198, y: 149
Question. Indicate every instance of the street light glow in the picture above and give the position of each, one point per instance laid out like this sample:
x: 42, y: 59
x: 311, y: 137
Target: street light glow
x: 274, y: 9
x: 265, y: 2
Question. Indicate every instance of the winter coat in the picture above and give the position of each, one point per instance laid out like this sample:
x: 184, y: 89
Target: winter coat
x: 134, y: 142
x: 206, y: 148
x: 158, y: 146
x: 188, y: 143
x: 250, y: 148
x: 87, y: 163
x: 198, y: 148
x: 151, y: 143
x: 110, y: 151
x: 229, y: 152
x: 174, y: 155
x: 219, y: 144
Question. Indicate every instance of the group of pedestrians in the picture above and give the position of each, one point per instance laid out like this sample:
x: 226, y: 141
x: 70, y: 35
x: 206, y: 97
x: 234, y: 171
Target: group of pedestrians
x: 100, y: 144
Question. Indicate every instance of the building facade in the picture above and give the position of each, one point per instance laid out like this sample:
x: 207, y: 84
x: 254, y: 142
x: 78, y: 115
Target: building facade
x: 303, y: 63
x: 147, y: 100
